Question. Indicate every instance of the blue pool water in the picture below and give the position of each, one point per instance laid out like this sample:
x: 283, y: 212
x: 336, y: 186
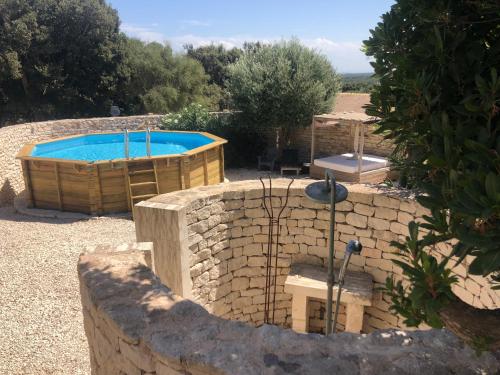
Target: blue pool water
x: 94, y: 147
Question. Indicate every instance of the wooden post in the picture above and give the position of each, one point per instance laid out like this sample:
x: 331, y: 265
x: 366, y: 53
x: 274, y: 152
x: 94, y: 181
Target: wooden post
x: 127, y: 186
x: 155, y: 169
x: 187, y: 171
x: 58, y: 183
x: 98, y: 189
x: 313, y: 140
x: 27, y: 182
x: 221, y: 163
x: 205, y: 168
x: 181, y: 173
x: 361, y: 147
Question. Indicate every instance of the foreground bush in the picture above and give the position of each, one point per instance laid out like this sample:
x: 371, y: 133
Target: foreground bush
x: 439, y: 100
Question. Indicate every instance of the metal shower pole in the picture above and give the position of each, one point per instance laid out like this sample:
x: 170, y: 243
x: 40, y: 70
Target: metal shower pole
x: 328, y: 192
x: 331, y: 254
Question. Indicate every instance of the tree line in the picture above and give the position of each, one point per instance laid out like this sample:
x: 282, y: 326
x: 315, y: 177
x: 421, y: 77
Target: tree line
x: 68, y: 59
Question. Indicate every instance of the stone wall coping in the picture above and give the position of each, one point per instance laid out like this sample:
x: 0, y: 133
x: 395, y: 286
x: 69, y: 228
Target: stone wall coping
x: 77, y: 121
x: 253, y: 187
x: 161, y: 330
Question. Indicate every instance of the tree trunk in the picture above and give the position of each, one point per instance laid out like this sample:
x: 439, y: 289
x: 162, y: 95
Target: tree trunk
x: 473, y: 325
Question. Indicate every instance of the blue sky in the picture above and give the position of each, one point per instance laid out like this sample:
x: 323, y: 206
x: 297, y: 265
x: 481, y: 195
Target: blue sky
x: 336, y: 27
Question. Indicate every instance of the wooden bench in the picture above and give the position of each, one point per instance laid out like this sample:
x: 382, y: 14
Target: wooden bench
x: 306, y: 281
x: 293, y: 168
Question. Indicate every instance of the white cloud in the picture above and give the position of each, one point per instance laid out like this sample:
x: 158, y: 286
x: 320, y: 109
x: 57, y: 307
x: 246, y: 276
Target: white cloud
x: 345, y: 56
x: 196, y: 23
x: 145, y: 34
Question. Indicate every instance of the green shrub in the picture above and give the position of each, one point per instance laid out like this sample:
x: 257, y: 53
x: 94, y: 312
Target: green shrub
x: 439, y: 100
x: 244, y: 142
x: 194, y: 117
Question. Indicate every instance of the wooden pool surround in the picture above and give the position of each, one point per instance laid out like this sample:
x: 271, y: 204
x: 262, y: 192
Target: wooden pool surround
x: 116, y: 185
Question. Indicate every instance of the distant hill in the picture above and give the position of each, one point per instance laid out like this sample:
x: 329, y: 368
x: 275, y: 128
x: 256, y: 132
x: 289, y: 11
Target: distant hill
x: 357, y: 82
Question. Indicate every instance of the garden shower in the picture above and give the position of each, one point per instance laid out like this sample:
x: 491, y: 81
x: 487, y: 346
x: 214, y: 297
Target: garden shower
x: 330, y: 192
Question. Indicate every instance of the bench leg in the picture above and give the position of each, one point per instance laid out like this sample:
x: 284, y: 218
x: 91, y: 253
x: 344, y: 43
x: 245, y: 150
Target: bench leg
x: 300, y: 313
x: 354, y: 318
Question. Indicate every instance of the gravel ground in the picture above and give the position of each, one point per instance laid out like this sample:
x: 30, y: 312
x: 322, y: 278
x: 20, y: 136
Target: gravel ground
x: 41, y: 329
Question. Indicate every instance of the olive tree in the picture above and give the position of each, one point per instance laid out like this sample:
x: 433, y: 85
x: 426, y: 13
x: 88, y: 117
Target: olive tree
x: 281, y: 86
x: 439, y: 100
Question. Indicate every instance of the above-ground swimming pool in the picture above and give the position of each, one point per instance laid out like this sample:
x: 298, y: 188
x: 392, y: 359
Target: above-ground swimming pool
x: 92, y: 174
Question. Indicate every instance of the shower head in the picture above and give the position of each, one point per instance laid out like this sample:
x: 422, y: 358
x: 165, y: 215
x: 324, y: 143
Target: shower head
x: 353, y: 247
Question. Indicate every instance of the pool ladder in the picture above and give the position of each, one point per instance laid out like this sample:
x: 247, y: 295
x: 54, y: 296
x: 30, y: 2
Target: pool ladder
x: 127, y: 142
x: 148, y: 142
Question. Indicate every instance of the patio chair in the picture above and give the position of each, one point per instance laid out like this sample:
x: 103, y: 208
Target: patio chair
x: 268, y: 159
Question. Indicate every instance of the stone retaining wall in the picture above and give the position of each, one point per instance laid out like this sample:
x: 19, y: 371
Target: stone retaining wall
x: 209, y: 245
x: 135, y: 325
x: 14, y: 137
x: 334, y: 139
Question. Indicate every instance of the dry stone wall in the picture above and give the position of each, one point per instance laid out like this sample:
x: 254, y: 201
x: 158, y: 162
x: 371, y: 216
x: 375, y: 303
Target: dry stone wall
x: 14, y: 137
x: 135, y: 325
x: 225, y: 235
x: 335, y: 138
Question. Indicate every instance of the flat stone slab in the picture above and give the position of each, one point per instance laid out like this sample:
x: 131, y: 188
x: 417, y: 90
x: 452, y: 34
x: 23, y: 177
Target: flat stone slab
x: 311, y: 280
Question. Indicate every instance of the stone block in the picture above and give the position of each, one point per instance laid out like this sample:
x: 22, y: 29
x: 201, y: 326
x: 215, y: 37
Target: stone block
x: 408, y: 206
x: 198, y: 227
x: 367, y: 242
x: 236, y: 232
x: 364, y: 209
x: 342, y: 228
x: 386, y: 213
x: 303, y: 223
x: 404, y: 217
x: 239, y: 242
x: 254, y: 212
x: 304, y: 239
x: 383, y: 264
x: 311, y: 232
x: 383, y: 201
x: 291, y: 248
x: 384, y: 235
x: 319, y: 251
x: 356, y: 220
x: 253, y: 203
x: 257, y: 261
x: 236, y: 263
x: 257, y: 282
x: 139, y: 356
x: 250, y: 231
x: 240, y: 283
x: 360, y: 197
x: 399, y: 228
x: 345, y: 206
x: 252, y: 249
x: 304, y: 213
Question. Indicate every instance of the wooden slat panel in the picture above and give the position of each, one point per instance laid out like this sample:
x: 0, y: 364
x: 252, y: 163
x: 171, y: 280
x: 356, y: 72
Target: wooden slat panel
x: 58, y: 182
